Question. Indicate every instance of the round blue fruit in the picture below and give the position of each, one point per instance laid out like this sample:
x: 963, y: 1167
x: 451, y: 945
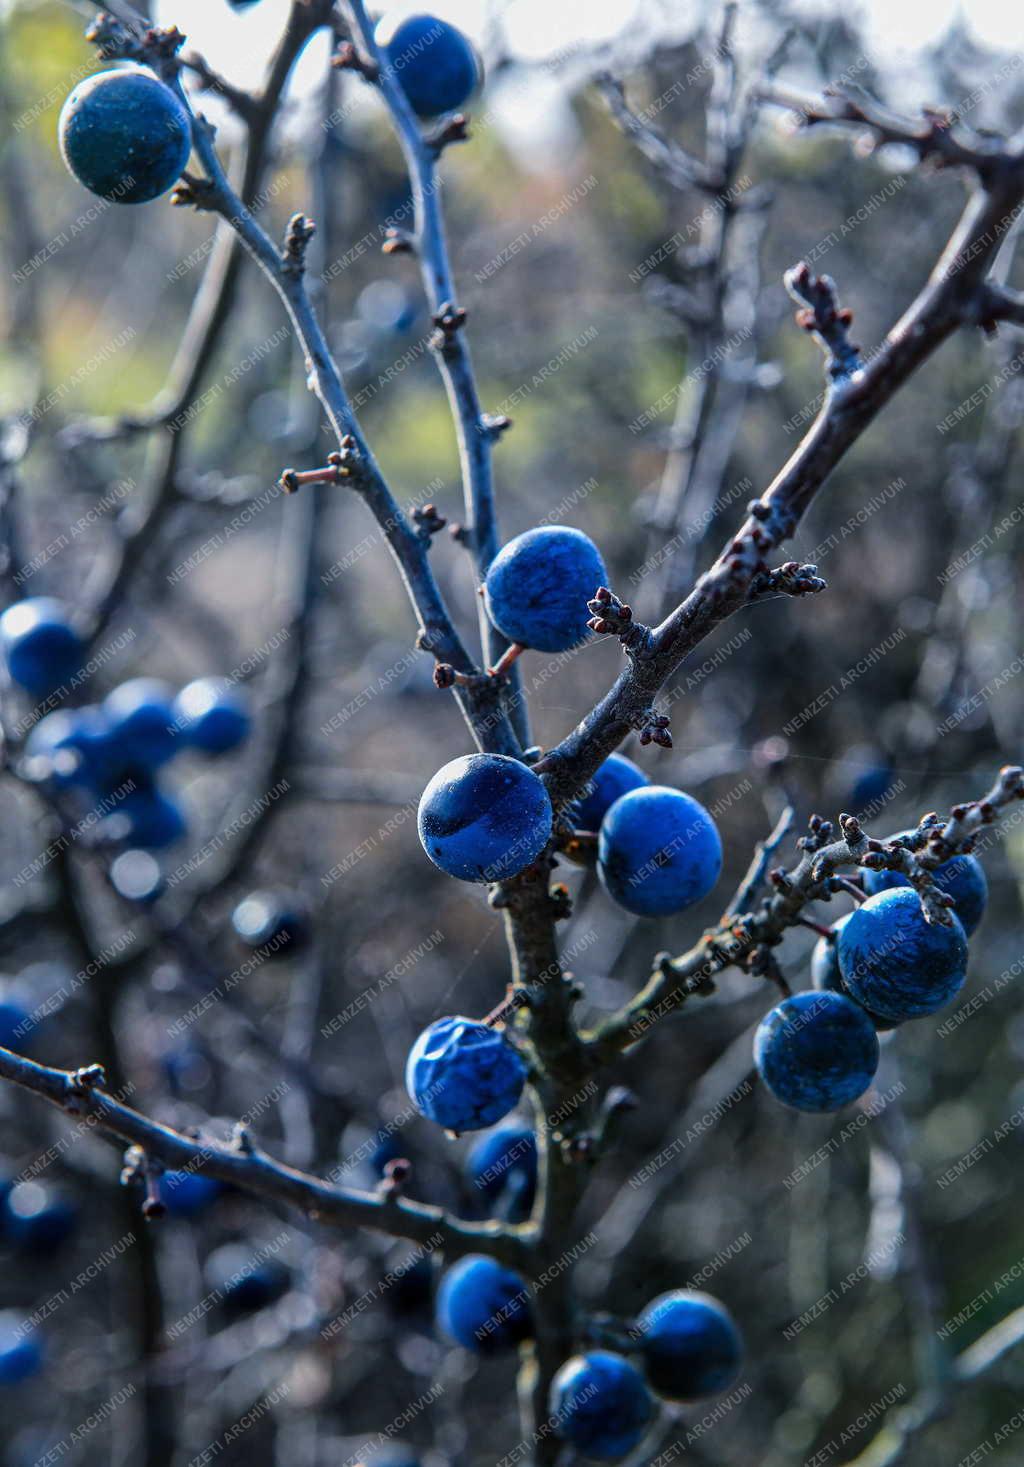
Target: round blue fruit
x: 616, y: 777
x: 387, y: 1147
x: 37, y: 1220
x: 538, y: 586
x: 42, y: 648
x: 870, y: 786
x: 21, y: 1355
x: 600, y: 1404
x: 213, y: 715
x: 146, y: 818
x: 484, y: 817
x: 503, y: 1165
x: 125, y: 136
x: 691, y: 1347
x: 136, y: 876
x: 816, y: 1051
x: 825, y: 972
x: 482, y: 1306
x: 410, y: 1292
x: 435, y: 64
x: 464, y: 1075
x: 659, y: 851
x: 74, y: 746
x: 14, y: 1018
x: 244, y: 1283
x: 141, y: 720
x: 188, y: 1194
x: 962, y: 878
x: 825, y: 959
x: 277, y: 921
x: 895, y: 963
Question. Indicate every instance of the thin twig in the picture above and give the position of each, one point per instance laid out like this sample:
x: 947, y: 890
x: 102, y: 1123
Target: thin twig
x: 476, y: 433
x: 81, y: 1093
x: 741, y: 937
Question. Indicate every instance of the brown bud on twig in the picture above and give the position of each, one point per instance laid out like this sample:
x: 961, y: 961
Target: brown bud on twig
x: 347, y: 58
x: 850, y: 826
x: 396, y: 1174
x: 493, y: 425
x: 446, y: 676
x: 398, y: 242
x: 821, y: 314
x: 428, y: 521
x: 655, y: 730
x: 296, y: 241
x: 611, y: 617
x: 152, y: 1203
x: 193, y: 192
x: 454, y: 129
x: 339, y: 467
x: 449, y: 319
x: 560, y: 903
x: 789, y: 579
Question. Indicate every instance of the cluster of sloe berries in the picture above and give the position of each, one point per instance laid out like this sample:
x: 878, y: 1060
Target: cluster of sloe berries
x: 241, y: 1281
x: 879, y: 966
x: 127, y: 136
x: 687, y: 1344
x: 111, y: 753
x: 689, y: 1348
x: 35, y: 1224
x: 487, y: 817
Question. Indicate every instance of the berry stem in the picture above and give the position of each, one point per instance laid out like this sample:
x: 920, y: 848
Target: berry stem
x: 851, y: 888
x: 818, y: 927
x: 507, y: 658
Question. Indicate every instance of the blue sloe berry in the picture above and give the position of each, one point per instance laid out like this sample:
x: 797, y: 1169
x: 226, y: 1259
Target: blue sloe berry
x: 816, y: 1051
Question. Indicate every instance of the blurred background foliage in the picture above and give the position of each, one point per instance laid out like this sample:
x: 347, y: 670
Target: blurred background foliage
x: 579, y: 349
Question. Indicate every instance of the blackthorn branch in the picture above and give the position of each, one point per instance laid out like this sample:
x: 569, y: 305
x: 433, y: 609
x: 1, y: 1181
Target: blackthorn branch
x: 504, y: 816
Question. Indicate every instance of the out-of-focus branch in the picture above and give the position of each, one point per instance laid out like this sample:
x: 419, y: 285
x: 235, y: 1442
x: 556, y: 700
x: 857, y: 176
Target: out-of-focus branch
x: 949, y: 300
x: 901, y: 1428
x: 718, y: 306
x: 671, y: 159
x: 937, y: 136
x: 747, y: 888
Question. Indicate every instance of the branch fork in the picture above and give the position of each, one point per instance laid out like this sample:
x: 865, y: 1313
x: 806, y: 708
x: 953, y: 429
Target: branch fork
x: 455, y: 129
x: 349, y: 58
